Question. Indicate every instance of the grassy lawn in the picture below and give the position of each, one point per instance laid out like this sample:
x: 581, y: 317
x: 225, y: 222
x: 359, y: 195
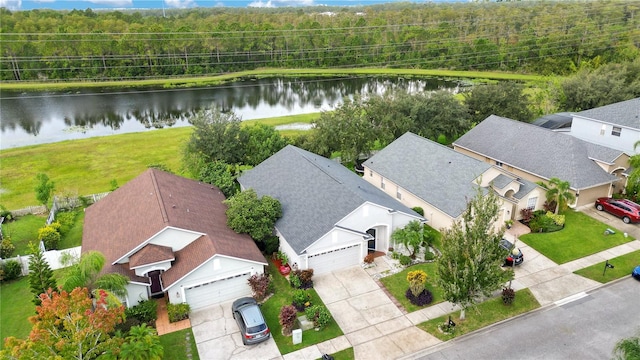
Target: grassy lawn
x: 87, y: 166
x: 175, y: 345
x: 397, y: 285
x: 74, y: 237
x: 23, y: 231
x: 582, y: 236
x: 220, y: 79
x: 283, y: 295
x: 16, y: 308
x: 488, y: 312
x: 346, y: 354
x: 622, y: 268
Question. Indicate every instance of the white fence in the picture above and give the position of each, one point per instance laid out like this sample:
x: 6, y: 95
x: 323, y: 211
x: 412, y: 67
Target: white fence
x: 52, y: 257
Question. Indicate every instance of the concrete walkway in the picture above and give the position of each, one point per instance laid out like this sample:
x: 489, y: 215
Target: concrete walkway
x: 377, y: 329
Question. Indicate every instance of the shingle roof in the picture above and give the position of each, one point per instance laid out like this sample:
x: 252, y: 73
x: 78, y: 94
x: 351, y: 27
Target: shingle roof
x: 540, y: 151
x: 625, y: 113
x: 315, y: 193
x: 433, y: 172
x: 154, y: 200
x: 151, y: 254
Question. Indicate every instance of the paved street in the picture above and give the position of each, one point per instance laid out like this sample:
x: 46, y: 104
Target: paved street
x: 586, y: 328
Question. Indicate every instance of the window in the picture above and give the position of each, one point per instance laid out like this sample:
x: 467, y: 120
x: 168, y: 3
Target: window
x: 370, y: 173
x: 616, y: 131
x: 398, y: 194
x: 531, y: 203
x: 498, y: 163
x: 382, y: 183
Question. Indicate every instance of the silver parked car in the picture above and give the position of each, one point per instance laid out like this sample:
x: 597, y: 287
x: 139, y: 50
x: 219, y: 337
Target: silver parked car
x: 252, y: 326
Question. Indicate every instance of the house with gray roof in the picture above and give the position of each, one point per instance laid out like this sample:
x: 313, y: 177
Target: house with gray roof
x: 169, y: 236
x: 421, y: 173
x: 331, y: 218
x: 538, y: 154
x: 616, y: 125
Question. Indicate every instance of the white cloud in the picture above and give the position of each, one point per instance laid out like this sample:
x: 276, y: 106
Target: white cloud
x: 180, y: 4
x: 44, y: 1
x: 261, y: 4
x: 11, y: 4
x: 294, y: 2
x: 113, y: 3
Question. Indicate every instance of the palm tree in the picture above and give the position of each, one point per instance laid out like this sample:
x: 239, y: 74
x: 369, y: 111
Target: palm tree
x: 86, y: 273
x: 633, y: 182
x: 558, y: 191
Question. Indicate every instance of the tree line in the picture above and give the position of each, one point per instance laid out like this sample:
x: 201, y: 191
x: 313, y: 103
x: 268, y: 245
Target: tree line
x: 536, y: 37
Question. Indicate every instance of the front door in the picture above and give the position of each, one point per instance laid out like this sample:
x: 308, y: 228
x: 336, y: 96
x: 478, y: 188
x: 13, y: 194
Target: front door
x: 156, y: 285
x: 371, y: 244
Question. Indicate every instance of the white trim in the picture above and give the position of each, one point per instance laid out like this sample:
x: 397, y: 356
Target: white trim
x: 208, y: 260
x: 154, y: 264
x: 144, y: 243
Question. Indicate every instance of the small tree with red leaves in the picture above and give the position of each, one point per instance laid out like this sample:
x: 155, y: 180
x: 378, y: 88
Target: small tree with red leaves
x: 69, y: 326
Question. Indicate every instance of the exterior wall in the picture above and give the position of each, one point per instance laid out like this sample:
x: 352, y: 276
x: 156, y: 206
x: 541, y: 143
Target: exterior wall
x: 600, y: 133
x: 136, y: 293
x: 589, y: 196
x: 218, y: 267
x: 435, y: 218
x: 522, y: 204
x: 294, y: 258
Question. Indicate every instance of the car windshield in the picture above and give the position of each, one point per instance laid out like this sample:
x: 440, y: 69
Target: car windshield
x: 257, y: 328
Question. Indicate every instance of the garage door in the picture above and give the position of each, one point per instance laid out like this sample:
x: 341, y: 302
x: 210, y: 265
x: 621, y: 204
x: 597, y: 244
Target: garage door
x: 328, y: 261
x: 218, y: 291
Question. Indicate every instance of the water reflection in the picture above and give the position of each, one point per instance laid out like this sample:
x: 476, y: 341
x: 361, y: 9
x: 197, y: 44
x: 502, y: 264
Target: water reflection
x: 31, y: 118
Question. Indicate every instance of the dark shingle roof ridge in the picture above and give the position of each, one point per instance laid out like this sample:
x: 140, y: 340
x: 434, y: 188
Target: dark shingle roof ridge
x: 156, y: 187
x: 624, y: 113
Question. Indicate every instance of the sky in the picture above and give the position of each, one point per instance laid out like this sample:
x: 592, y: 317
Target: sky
x: 176, y: 4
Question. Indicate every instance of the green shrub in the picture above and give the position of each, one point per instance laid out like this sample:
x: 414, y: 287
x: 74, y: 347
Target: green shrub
x: 428, y: 255
x: 145, y: 312
x: 12, y: 270
x: 557, y: 218
x: 66, y: 219
x: 6, y: 248
x: 319, y: 315
x: 294, y: 281
x: 508, y: 296
x: 542, y: 223
x: 178, y: 312
x: 271, y: 244
x: 50, y: 236
x: 405, y: 260
x: 6, y: 214
x: 419, y: 210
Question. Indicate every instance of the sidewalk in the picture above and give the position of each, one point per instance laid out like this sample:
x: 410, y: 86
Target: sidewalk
x: 395, y: 335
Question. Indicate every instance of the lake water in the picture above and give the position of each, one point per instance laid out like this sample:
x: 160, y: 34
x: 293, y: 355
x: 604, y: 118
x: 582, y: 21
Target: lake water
x: 37, y: 118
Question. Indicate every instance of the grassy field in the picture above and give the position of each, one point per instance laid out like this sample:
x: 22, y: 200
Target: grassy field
x: 88, y: 166
x: 175, y: 345
x: 582, y: 235
x: 622, y: 268
x: 486, y: 313
x: 16, y: 308
x: 224, y: 78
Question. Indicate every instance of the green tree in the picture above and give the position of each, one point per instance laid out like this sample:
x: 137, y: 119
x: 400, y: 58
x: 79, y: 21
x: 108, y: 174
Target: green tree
x: 87, y: 273
x: 558, y: 191
x: 262, y: 142
x: 255, y: 216
x: 470, y: 264
x: 219, y: 174
x: 412, y: 237
x: 347, y: 130
x: 69, y: 326
x: 44, y: 189
x: 440, y: 114
x: 142, y: 343
x: 40, y: 274
x: 504, y: 99
x: 633, y: 182
x: 216, y: 136
x: 627, y: 349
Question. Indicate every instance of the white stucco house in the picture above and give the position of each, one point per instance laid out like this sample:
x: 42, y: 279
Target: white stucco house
x: 616, y: 125
x: 331, y: 218
x: 421, y: 173
x: 168, y: 235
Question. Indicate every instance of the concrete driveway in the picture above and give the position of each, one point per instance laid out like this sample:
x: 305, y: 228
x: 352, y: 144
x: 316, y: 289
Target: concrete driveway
x: 612, y: 220
x: 217, y: 336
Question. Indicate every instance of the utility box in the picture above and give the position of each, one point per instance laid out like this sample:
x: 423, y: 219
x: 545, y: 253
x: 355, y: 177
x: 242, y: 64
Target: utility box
x: 297, y: 336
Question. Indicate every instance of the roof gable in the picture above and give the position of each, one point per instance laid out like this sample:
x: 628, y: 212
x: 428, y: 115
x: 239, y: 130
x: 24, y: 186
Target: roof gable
x: 433, y: 172
x: 624, y: 113
x: 128, y: 217
x: 540, y: 151
x: 315, y: 193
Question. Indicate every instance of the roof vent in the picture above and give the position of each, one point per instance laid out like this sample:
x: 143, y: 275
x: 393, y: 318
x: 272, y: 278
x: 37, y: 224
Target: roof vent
x: 173, y: 206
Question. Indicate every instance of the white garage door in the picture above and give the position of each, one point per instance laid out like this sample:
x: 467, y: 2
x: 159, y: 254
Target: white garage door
x: 218, y: 291
x: 328, y: 261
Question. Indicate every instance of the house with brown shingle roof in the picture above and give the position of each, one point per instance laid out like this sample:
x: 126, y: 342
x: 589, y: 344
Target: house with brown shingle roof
x: 169, y: 236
